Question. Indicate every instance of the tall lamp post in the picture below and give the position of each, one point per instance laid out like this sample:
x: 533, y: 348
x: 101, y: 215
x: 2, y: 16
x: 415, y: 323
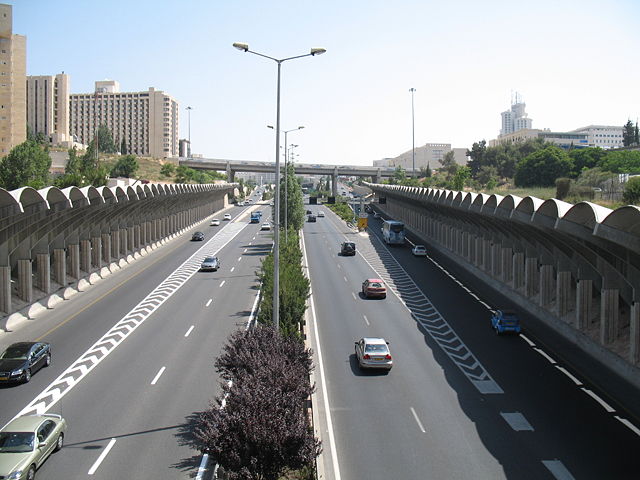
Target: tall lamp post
x: 276, y: 237
x: 413, y: 134
x: 286, y: 182
x: 188, y: 109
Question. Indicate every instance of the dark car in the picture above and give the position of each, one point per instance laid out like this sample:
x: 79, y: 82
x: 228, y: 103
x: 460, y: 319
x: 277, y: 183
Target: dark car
x: 20, y: 360
x: 312, y: 218
x: 210, y: 263
x: 347, y: 248
x: 309, y: 212
x: 197, y: 237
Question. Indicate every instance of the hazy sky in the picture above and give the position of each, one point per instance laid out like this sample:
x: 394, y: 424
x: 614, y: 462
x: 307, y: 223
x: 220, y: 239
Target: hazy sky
x: 575, y: 63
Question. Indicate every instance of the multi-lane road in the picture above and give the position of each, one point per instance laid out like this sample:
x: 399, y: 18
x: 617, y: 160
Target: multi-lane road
x: 460, y: 402
x: 133, y: 365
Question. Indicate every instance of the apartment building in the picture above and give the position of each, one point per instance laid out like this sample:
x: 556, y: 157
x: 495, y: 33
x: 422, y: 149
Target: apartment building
x: 147, y: 121
x: 13, y: 75
x: 48, y: 107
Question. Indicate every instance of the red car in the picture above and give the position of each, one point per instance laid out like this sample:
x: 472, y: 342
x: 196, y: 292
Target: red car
x: 374, y: 287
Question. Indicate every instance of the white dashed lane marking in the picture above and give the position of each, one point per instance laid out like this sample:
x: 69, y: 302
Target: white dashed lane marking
x: 517, y: 421
x: 188, y: 331
x: 415, y: 416
x: 102, y: 456
x: 158, y: 375
x: 558, y: 469
x: 222, y: 283
x: 208, y: 302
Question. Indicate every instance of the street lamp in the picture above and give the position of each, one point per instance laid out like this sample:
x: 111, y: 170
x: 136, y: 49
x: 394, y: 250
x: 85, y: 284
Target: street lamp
x: 276, y: 237
x: 286, y: 182
x: 189, y: 123
x: 413, y: 134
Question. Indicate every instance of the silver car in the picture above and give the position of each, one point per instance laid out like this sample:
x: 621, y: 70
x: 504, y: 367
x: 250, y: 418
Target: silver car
x: 210, y: 263
x: 373, y: 352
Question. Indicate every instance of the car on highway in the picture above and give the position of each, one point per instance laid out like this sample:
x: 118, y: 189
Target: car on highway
x: 227, y: 216
x: 197, y: 237
x: 265, y: 226
x: 27, y: 441
x: 374, y: 287
x: 505, y: 321
x: 210, y: 263
x: 419, y: 251
x: 373, y: 352
x: 347, y: 249
x: 21, y: 360
x: 241, y: 204
x: 312, y: 218
x: 215, y: 222
x: 320, y: 213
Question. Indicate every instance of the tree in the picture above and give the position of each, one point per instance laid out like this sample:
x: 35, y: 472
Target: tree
x: 37, y: 137
x: 621, y: 161
x: 460, y: 177
x: 294, y: 204
x: 476, y: 155
x: 398, y: 176
x: 628, y: 134
x: 167, y: 170
x: 636, y: 135
x: 26, y: 165
x: 486, y: 174
x: 585, y: 158
x: 631, y: 194
x: 448, y: 163
x: 105, y: 141
x: 126, y: 167
x: 123, y: 147
x: 541, y: 168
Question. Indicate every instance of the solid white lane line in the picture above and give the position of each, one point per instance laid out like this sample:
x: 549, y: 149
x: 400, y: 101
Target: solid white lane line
x: 551, y: 360
x: 239, y: 258
x: 339, y: 266
x: 558, y: 469
x: 203, y: 466
x: 354, y: 296
x: 517, y: 421
x: 250, y: 243
x: 222, y: 283
x: 209, y: 302
x: 102, y: 456
x: 366, y: 320
x: 153, y: 382
x: 189, y: 331
x: 566, y: 372
x: 628, y: 424
x: 232, y: 269
x: 253, y: 238
x: 604, y: 404
x: 415, y: 415
x: 345, y: 279
x: 526, y: 339
x: 245, y: 250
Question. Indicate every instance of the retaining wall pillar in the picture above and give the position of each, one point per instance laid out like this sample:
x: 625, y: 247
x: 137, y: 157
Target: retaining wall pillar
x: 609, y: 315
x: 5, y: 289
x: 25, y: 281
x: 546, y: 285
x: 530, y: 276
x: 60, y: 266
x: 96, y: 252
x: 634, y: 333
x: 85, y: 255
x: 563, y: 293
x: 74, y: 260
x: 44, y: 272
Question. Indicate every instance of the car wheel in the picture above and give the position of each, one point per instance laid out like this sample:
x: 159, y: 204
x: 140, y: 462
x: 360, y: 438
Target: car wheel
x: 27, y: 375
x: 31, y: 474
x: 384, y: 296
x: 59, y: 442
x: 47, y: 361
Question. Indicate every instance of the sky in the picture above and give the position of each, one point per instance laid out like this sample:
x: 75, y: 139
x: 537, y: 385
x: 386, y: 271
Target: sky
x: 574, y: 63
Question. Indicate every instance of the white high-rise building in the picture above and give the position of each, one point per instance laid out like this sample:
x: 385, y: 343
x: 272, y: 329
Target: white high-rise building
x: 516, y: 118
x: 48, y: 106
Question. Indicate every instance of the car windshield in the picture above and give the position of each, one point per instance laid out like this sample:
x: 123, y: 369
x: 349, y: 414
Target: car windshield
x: 376, y: 348
x: 397, y: 227
x: 209, y: 259
x: 375, y: 284
x: 16, y: 442
x: 16, y: 353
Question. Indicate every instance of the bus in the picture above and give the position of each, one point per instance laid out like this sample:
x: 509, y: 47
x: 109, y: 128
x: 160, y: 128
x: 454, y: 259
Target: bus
x: 393, y: 232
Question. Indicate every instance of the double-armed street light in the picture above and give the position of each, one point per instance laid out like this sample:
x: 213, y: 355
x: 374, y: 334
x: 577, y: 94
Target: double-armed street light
x: 276, y: 237
x: 413, y: 135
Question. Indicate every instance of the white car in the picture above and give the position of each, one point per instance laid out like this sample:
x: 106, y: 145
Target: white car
x: 227, y: 216
x: 320, y: 213
x: 215, y: 222
x: 266, y: 226
x: 419, y: 251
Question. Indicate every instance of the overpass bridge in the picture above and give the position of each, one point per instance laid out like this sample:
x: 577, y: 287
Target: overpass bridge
x: 232, y: 166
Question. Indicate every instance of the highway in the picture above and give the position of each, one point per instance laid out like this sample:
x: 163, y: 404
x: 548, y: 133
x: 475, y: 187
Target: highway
x: 460, y: 402
x: 129, y: 416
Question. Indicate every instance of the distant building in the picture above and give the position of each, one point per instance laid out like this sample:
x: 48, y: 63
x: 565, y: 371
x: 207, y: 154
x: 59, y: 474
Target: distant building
x: 13, y: 83
x: 147, y: 121
x: 429, y: 154
x: 48, y: 107
x: 603, y: 136
x: 516, y: 118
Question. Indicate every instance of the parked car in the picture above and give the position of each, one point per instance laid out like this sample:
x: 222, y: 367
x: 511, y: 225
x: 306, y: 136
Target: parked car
x: 347, y: 248
x: 227, y: 216
x: 309, y: 212
x: 27, y: 441
x: 210, y: 263
x: 312, y: 218
x: 197, y: 237
x: 21, y: 360
x: 320, y: 213
x: 505, y: 321
x: 419, y: 251
x: 215, y: 222
x: 374, y: 287
x: 372, y: 352
x: 266, y: 226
